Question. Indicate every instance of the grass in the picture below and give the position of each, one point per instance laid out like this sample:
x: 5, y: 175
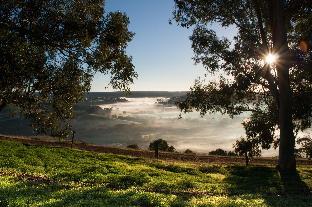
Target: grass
x: 44, y: 176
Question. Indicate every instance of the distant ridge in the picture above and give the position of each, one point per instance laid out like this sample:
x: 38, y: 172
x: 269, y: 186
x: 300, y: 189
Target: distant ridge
x: 138, y: 94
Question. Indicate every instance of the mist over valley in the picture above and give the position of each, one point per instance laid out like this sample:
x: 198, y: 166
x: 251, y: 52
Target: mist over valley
x: 119, y: 119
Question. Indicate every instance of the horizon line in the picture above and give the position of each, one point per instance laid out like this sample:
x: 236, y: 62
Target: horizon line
x: 132, y: 91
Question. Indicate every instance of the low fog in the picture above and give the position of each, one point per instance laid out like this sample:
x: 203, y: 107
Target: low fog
x: 140, y: 120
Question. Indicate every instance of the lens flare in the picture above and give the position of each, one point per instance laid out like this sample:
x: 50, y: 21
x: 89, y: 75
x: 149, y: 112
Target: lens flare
x: 270, y: 58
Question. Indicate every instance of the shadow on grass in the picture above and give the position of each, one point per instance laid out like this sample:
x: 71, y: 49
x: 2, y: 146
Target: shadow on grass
x: 252, y: 179
x: 294, y: 192
x: 274, y: 188
x: 292, y: 184
x: 264, y: 180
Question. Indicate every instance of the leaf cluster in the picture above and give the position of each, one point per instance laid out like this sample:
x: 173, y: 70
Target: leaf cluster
x: 162, y: 145
x: 49, y: 52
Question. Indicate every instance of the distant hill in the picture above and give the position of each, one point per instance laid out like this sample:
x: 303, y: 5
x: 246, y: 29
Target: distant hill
x: 12, y: 124
x: 137, y: 94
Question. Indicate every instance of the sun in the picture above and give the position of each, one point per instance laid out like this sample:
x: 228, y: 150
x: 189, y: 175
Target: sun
x: 270, y: 58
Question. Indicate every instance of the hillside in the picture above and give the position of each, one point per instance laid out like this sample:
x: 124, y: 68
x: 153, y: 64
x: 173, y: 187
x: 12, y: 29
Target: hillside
x: 46, y: 176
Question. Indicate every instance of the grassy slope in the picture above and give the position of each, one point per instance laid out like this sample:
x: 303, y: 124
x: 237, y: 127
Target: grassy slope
x: 43, y: 176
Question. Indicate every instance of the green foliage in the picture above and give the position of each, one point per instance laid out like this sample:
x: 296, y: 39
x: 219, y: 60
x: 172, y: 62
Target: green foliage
x: 44, y: 176
x: 305, y: 146
x: 159, y: 144
x: 126, y: 181
x: 49, y: 52
x: 243, y: 83
x: 162, y: 145
x: 247, y: 148
x: 222, y: 152
x: 219, y: 151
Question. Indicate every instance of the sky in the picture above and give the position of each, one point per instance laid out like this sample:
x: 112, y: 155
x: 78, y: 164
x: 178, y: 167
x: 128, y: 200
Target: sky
x: 161, y: 52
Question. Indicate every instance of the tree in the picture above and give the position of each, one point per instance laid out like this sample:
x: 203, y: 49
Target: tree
x: 49, y: 52
x: 133, y: 146
x: 219, y: 152
x: 162, y: 145
x: 222, y: 152
x: 188, y: 151
x: 231, y: 153
x: 277, y: 94
x: 247, y: 148
x: 305, y: 146
x: 171, y: 149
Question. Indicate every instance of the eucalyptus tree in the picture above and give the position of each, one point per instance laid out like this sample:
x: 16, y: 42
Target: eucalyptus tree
x: 49, y: 52
x: 265, y: 70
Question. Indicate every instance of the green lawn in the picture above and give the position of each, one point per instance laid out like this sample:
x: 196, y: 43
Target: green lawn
x: 44, y: 176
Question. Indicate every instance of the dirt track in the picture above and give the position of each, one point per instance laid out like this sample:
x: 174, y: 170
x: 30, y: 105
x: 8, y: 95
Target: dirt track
x: 145, y: 153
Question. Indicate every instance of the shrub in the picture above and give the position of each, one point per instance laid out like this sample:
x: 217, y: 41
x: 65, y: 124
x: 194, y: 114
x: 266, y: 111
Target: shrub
x: 231, y: 153
x: 188, y: 151
x: 126, y: 181
x: 133, y: 146
x: 186, y: 184
x: 171, y: 149
x: 219, y: 151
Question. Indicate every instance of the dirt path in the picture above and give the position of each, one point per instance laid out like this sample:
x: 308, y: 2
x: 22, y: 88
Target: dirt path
x: 144, y: 153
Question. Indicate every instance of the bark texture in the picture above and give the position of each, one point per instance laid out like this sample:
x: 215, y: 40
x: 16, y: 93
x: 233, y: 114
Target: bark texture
x: 286, y: 162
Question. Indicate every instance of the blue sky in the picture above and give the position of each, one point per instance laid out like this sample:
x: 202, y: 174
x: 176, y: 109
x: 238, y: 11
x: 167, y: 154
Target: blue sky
x: 161, y: 52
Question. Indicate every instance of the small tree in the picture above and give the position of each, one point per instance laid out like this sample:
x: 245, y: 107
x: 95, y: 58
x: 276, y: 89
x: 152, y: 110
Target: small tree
x: 247, y: 148
x: 188, y: 151
x: 306, y: 146
x: 159, y: 144
x: 218, y: 151
x: 231, y: 153
x: 133, y: 146
x: 171, y: 149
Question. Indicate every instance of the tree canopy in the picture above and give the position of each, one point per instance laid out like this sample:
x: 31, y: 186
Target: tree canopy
x: 305, y: 148
x: 218, y: 151
x: 278, y: 96
x: 247, y: 148
x: 49, y: 52
x: 159, y: 144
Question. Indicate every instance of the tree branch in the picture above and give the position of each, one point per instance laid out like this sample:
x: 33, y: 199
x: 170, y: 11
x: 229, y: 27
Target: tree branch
x: 272, y: 84
x: 263, y: 34
x: 244, y: 109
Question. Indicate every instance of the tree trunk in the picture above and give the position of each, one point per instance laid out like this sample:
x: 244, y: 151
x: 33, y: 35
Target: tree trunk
x: 286, y: 162
x: 2, y: 105
x: 156, y: 152
x: 73, y: 137
x: 246, y: 159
